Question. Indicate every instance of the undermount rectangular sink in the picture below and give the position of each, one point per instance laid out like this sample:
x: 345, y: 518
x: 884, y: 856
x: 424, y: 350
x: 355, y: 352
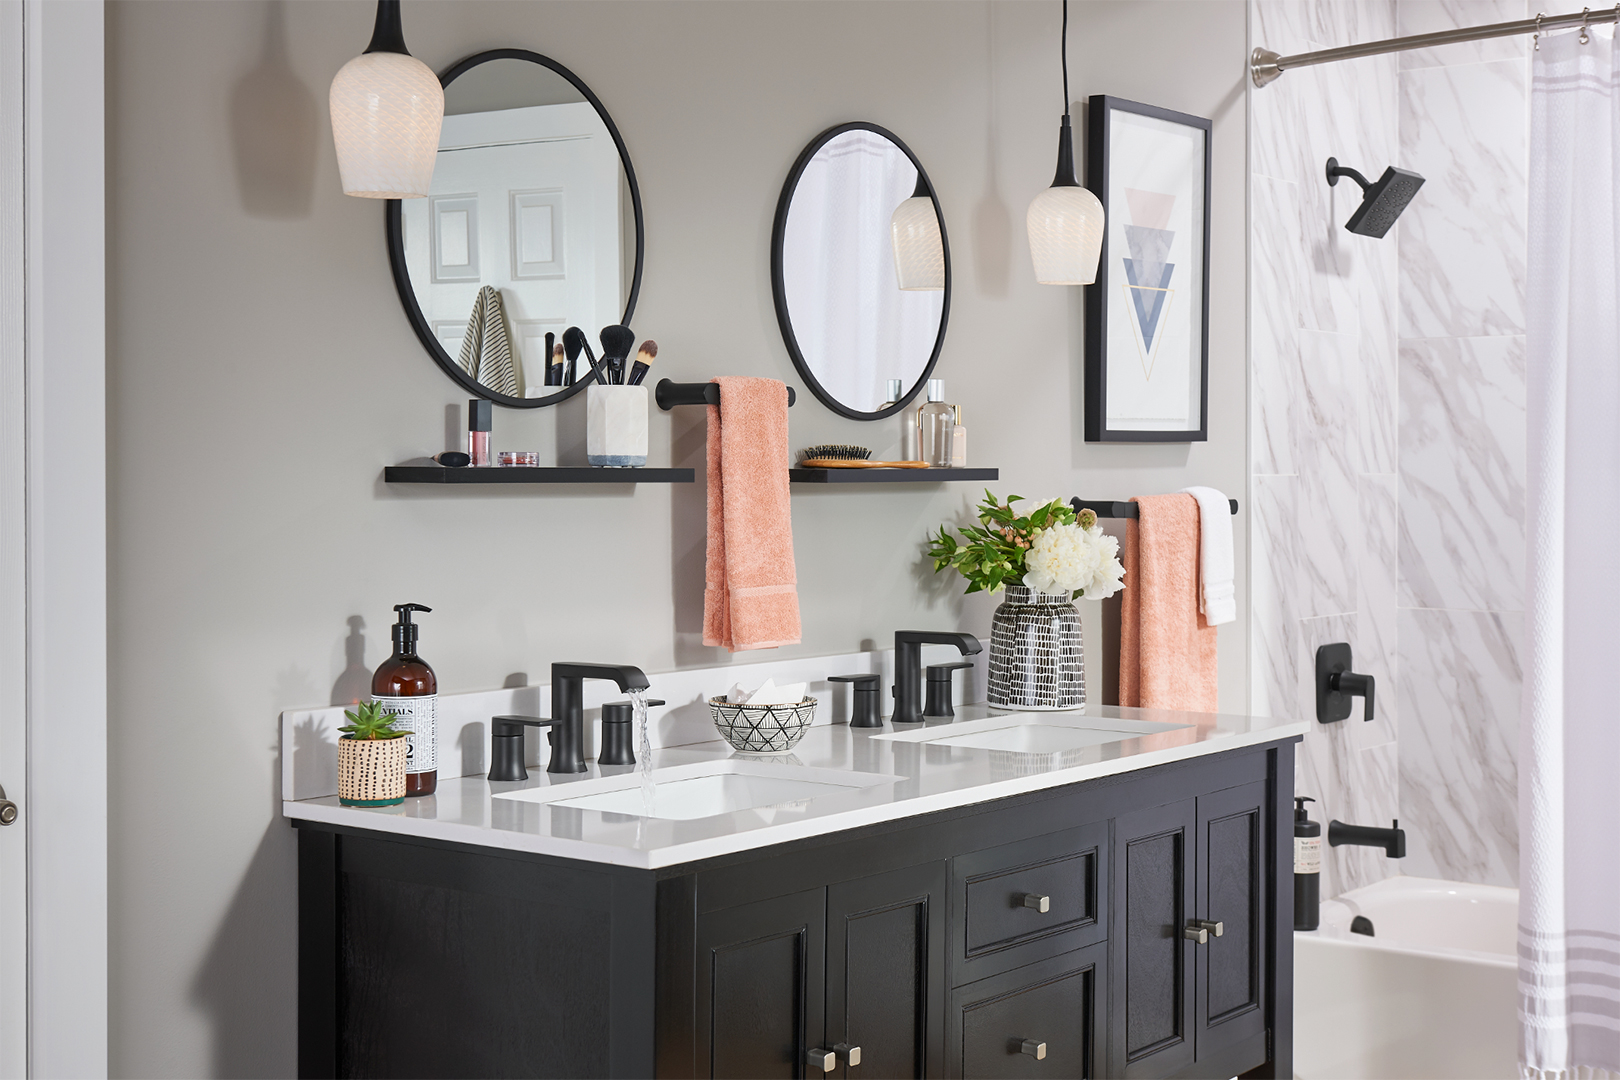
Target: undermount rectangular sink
x: 703, y: 789
x: 706, y: 796
x: 1032, y: 733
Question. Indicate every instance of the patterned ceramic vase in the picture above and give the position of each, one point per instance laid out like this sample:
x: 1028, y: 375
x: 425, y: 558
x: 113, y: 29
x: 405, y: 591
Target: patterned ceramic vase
x: 371, y: 772
x: 1036, y: 658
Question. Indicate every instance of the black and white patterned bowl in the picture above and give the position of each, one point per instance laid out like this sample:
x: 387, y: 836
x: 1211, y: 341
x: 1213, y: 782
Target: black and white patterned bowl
x: 762, y: 729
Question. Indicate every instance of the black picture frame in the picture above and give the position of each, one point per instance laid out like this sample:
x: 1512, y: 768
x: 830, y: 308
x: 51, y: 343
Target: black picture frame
x: 1099, y: 179
x: 779, y: 285
x: 394, y: 228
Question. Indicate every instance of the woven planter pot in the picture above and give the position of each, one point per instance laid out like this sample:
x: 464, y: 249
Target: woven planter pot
x: 1036, y: 659
x: 371, y: 772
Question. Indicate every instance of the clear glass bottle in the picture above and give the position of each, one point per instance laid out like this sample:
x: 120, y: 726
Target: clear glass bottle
x: 936, y: 422
x: 958, y: 442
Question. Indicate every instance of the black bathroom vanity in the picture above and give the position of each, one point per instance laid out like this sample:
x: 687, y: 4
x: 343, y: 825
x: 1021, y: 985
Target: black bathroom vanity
x: 1119, y: 910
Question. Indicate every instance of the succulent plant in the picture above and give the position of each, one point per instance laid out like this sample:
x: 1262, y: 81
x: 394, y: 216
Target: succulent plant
x: 368, y: 721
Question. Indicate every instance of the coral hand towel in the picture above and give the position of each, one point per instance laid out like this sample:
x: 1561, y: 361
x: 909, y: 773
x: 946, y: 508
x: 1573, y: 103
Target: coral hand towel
x: 1166, y: 648
x: 751, y: 596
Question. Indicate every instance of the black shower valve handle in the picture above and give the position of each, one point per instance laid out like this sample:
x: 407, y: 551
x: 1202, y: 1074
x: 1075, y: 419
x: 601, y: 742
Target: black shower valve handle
x: 1356, y: 685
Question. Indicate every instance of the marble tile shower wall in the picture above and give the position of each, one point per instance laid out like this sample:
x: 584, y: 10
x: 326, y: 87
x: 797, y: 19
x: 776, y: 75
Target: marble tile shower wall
x: 1324, y: 446
x: 1387, y: 425
x: 1463, y: 125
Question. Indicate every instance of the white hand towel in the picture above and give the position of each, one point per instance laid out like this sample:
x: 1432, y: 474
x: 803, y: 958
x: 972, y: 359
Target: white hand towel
x: 1217, y: 574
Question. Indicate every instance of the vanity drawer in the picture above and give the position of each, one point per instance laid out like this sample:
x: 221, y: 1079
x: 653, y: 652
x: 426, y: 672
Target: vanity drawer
x: 999, y: 894
x: 1038, y: 1021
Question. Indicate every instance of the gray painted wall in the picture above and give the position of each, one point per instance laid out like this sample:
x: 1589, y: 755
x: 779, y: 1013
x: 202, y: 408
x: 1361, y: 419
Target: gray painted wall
x: 260, y: 375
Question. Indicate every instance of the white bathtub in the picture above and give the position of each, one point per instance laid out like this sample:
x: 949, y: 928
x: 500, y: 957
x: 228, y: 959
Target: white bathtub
x: 1432, y: 994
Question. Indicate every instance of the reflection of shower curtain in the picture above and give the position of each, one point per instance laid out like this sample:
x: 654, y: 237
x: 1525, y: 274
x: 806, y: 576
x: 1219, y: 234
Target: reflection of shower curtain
x: 853, y: 324
x: 486, y: 350
x: 1569, y: 746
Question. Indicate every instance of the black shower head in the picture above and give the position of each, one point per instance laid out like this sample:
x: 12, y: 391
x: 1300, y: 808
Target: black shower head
x: 1381, y: 202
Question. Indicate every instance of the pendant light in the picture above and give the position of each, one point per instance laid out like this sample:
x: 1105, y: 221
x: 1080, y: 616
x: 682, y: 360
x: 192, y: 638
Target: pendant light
x: 387, y: 107
x: 919, y: 250
x: 1065, y: 221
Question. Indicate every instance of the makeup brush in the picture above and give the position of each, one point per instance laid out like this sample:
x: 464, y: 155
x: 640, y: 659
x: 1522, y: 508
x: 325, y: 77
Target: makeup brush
x: 554, y: 373
x: 573, y: 339
x: 616, y: 344
x: 644, y: 360
x: 549, y: 354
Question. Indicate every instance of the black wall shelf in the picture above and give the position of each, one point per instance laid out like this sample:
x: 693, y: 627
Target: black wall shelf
x: 522, y: 474
x: 888, y: 476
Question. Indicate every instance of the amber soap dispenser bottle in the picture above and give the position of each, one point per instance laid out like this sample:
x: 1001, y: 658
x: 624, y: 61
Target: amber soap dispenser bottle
x: 405, y: 686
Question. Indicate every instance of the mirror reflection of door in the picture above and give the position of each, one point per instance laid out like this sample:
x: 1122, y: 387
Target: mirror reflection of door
x: 525, y: 201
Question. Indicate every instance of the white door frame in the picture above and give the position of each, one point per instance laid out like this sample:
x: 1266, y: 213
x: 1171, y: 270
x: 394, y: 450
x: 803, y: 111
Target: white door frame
x: 53, y: 540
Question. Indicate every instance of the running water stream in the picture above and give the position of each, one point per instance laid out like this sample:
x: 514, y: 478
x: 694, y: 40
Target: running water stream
x: 638, y: 715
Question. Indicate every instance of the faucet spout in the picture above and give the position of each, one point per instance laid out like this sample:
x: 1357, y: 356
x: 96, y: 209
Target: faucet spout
x: 568, y: 707
x: 908, y: 667
x: 1392, y: 839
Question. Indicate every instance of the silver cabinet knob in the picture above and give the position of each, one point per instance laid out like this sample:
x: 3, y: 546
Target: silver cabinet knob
x: 849, y: 1055
x: 1216, y: 928
x: 1196, y: 933
x: 8, y: 809
x: 1034, y: 1049
x: 822, y: 1060
x: 1037, y: 902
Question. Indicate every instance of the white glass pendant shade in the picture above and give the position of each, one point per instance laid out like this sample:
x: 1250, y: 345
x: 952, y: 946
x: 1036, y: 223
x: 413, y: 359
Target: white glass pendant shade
x: 387, y: 108
x: 1065, y: 235
x: 919, y: 250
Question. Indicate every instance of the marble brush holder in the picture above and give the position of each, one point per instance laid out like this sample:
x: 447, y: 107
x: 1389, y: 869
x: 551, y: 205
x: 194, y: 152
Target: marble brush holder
x: 616, y: 425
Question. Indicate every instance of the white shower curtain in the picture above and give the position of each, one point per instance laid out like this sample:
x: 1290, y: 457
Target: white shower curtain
x: 1569, y: 754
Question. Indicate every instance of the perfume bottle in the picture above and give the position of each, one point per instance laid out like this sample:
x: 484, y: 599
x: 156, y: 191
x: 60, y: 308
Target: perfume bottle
x: 480, y: 418
x: 934, y: 423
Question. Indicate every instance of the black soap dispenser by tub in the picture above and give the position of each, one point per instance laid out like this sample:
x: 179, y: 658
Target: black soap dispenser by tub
x: 1307, y: 867
x: 405, y: 686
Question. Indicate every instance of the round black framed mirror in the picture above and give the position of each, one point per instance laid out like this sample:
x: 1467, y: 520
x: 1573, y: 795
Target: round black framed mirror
x: 862, y: 283
x: 533, y: 225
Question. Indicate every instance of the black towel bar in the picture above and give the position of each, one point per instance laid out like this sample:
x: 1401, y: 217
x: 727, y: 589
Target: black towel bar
x: 1118, y: 509
x: 669, y: 394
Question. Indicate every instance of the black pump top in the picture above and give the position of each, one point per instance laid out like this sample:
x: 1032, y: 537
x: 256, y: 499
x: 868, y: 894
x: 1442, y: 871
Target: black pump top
x: 1300, y: 813
x: 405, y: 630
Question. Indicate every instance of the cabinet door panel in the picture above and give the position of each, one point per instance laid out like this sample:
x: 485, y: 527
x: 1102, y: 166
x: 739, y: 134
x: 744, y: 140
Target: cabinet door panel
x: 1055, y: 1002
x: 1231, y: 891
x: 760, y: 985
x: 1150, y: 1023
x: 886, y: 970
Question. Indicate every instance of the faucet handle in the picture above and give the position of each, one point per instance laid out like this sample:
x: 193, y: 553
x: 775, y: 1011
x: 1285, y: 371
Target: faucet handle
x: 506, y: 745
x: 937, y: 703
x: 864, y: 706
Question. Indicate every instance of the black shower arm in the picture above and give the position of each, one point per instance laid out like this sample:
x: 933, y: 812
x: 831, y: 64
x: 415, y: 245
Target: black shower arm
x: 1335, y: 170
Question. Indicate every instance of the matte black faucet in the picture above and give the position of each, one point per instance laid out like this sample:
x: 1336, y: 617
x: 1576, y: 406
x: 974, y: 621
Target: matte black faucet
x: 908, y: 667
x: 1392, y: 839
x: 568, y: 707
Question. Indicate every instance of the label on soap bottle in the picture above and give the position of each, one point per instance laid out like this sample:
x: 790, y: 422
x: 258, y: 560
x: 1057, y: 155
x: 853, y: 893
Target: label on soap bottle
x: 418, y: 717
x: 1307, y: 854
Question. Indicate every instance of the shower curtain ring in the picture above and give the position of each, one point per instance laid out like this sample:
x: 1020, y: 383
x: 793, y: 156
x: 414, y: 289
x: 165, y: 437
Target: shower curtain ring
x: 1535, y: 38
x: 1586, y: 13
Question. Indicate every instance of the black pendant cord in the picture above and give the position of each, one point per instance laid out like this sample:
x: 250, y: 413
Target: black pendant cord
x: 1065, y: 176
x: 389, y: 33
x: 1065, y: 50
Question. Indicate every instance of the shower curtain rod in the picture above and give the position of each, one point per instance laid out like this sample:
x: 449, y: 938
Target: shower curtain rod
x: 1265, y: 66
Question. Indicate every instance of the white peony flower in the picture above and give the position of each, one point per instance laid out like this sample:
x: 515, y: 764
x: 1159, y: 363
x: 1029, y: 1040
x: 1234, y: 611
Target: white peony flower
x: 1065, y: 558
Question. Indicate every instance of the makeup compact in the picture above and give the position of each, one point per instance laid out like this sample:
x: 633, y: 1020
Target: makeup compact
x: 519, y: 457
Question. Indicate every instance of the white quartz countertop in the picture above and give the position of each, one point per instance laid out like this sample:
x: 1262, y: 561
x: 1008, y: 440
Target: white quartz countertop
x: 867, y: 775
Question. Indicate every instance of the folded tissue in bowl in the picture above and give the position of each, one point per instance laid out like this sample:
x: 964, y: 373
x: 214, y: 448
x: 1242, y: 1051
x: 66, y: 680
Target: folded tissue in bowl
x: 768, y: 693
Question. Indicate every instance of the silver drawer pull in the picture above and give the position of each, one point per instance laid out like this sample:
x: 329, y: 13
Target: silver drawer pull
x: 1034, y: 1049
x: 1215, y: 928
x: 1037, y: 902
x: 1196, y: 934
x: 822, y: 1060
x: 849, y: 1055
